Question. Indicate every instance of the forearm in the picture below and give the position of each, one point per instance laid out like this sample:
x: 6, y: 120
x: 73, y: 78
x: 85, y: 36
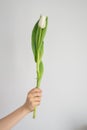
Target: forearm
x: 13, y: 118
x: 32, y: 101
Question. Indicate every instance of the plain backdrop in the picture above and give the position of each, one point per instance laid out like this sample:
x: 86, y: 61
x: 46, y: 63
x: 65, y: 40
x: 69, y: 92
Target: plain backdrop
x: 64, y: 83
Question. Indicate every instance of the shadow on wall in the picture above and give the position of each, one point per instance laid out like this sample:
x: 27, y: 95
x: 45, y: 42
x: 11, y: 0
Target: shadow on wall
x: 82, y: 128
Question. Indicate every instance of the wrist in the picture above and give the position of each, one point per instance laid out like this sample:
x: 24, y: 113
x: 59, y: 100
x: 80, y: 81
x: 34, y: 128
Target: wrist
x: 26, y: 109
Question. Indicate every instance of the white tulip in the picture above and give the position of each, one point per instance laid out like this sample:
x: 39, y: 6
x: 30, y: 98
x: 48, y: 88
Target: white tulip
x: 42, y: 22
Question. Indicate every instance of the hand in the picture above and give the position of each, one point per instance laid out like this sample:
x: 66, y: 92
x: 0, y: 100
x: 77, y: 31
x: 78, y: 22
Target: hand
x: 33, y: 99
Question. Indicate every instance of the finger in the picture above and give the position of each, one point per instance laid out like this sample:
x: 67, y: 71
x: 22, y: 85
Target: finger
x: 37, y: 94
x: 37, y: 99
x: 36, y: 104
x: 31, y: 90
x: 36, y: 90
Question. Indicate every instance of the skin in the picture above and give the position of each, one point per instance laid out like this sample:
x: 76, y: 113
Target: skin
x: 33, y: 100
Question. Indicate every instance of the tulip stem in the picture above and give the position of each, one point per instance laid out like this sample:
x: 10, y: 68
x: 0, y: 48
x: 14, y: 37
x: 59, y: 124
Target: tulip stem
x: 34, y: 113
x: 37, y: 70
x: 37, y: 86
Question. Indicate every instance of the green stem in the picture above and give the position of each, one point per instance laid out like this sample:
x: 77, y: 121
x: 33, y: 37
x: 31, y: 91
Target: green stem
x: 37, y: 70
x: 37, y: 86
x: 34, y: 113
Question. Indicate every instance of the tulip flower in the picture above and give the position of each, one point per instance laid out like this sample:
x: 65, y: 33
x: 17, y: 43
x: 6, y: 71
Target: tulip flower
x: 42, y: 22
x: 38, y: 34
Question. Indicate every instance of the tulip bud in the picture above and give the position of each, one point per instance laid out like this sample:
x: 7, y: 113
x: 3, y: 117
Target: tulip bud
x: 42, y: 22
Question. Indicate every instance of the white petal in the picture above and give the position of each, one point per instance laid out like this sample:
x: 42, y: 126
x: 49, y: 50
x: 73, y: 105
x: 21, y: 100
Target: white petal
x: 42, y: 22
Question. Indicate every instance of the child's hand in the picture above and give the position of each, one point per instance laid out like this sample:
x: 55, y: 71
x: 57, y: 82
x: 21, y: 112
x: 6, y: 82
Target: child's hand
x: 33, y: 99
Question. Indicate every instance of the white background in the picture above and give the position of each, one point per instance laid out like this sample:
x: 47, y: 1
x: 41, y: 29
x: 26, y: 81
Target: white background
x: 64, y: 83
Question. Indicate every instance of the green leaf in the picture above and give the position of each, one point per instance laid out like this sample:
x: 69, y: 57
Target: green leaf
x: 34, y: 48
x: 41, y: 51
x: 38, y: 37
x: 41, y: 70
